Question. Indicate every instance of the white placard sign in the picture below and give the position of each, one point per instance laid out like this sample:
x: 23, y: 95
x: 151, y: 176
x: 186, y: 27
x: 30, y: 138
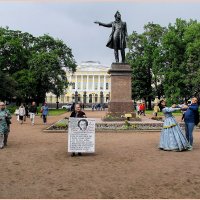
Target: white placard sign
x: 81, y: 135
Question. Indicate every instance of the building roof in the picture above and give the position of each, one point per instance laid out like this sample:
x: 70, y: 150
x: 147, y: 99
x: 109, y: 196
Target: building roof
x: 92, y: 66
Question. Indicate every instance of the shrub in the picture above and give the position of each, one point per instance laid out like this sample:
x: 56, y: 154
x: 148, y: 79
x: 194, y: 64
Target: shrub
x: 12, y: 108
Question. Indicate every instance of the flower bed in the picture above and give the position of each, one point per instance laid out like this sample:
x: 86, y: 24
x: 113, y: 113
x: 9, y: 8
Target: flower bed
x: 109, y: 118
x: 62, y: 126
x: 157, y: 118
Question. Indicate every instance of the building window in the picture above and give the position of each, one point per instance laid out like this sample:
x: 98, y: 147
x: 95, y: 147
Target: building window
x: 73, y: 97
x: 96, y: 86
x: 79, y: 97
x: 101, y: 86
x: 107, y: 86
x: 90, y: 98
x: 84, y: 85
x: 107, y: 97
x: 78, y: 86
x: 96, y: 98
x: 73, y: 86
x: 62, y: 98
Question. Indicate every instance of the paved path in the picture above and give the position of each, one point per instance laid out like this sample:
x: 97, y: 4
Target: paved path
x: 36, y: 165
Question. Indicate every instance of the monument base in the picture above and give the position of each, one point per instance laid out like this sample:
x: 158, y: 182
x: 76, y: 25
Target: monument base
x: 120, y: 101
x: 120, y: 108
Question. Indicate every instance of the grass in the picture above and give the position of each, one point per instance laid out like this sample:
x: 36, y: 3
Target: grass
x: 176, y: 113
x: 55, y: 112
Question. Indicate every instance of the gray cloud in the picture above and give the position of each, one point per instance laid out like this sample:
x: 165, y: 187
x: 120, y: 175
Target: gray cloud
x: 73, y: 22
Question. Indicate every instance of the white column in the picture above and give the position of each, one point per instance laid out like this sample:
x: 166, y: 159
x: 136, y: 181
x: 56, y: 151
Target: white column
x: 87, y: 83
x: 104, y: 83
x: 99, y: 82
x: 93, y: 83
x: 82, y: 82
x: 76, y: 81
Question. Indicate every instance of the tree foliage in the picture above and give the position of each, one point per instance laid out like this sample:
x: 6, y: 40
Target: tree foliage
x: 143, y: 57
x: 8, y: 86
x: 36, y: 64
x: 166, y: 61
x: 180, y: 66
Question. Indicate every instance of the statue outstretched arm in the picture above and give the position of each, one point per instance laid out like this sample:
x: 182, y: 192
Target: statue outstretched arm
x: 102, y: 24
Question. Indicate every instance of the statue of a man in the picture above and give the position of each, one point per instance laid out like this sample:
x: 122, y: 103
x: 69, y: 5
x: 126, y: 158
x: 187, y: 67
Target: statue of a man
x: 118, y: 37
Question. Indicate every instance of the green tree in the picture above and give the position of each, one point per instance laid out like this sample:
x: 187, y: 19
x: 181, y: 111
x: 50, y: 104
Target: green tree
x: 15, y: 50
x: 8, y: 86
x: 64, y: 54
x: 26, y: 85
x: 192, y: 60
x: 50, y: 57
x: 144, y: 57
x: 36, y: 63
x: 49, y: 75
x: 177, y: 61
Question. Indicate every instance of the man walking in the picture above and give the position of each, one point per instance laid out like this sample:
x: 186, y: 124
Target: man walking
x: 189, y: 119
x: 33, y: 111
x: 45, y: 111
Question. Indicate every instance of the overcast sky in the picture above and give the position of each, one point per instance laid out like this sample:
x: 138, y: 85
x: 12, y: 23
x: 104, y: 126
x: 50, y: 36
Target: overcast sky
x: 73, y: 22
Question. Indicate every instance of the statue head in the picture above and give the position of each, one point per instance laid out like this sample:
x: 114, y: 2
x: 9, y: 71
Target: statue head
x: 117, y: 15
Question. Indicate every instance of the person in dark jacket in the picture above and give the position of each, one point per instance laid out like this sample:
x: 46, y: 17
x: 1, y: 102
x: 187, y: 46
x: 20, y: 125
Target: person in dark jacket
x: 78, y: 114
x: 32, y: 112
x: 189, y: 119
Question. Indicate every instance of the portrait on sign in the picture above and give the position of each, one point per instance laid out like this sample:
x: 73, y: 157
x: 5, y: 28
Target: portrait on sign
x: 83, y: 124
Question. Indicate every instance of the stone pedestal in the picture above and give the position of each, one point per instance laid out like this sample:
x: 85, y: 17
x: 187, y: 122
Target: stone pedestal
x: 120, y: 99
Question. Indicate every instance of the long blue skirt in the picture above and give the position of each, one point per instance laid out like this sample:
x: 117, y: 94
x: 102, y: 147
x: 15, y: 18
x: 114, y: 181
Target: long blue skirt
x: 173, y: 139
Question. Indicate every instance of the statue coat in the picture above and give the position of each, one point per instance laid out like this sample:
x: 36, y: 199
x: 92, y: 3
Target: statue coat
x: 122, y: 35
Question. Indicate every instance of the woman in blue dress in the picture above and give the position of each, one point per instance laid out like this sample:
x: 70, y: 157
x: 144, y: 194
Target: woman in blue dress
x: 172, y: 137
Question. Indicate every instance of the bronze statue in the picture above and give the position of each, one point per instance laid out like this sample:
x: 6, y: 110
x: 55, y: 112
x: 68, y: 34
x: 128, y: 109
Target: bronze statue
x: 118, y: 37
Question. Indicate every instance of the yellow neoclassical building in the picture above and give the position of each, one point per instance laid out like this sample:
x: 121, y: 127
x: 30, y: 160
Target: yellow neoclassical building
x: 89, y: 84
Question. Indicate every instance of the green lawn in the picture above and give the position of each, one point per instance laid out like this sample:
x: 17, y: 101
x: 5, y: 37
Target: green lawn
x: 176, y: 113
x: 54, y: 112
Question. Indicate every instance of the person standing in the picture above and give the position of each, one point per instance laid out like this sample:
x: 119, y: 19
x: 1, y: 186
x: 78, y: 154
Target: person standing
x: 73, y: 106
x: 138, y: 109
x: 143, y: 108
x: 78, y: 114
x: 8, y: 121
x: 156, y: 109
x: 45, y: 112
x: 4, y: 125
x: 172, y: 137
x: 26, y: 112
x: 83, y: 106
x: 32, y: 112
x: 189, y: 119
x: 22, y: 113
